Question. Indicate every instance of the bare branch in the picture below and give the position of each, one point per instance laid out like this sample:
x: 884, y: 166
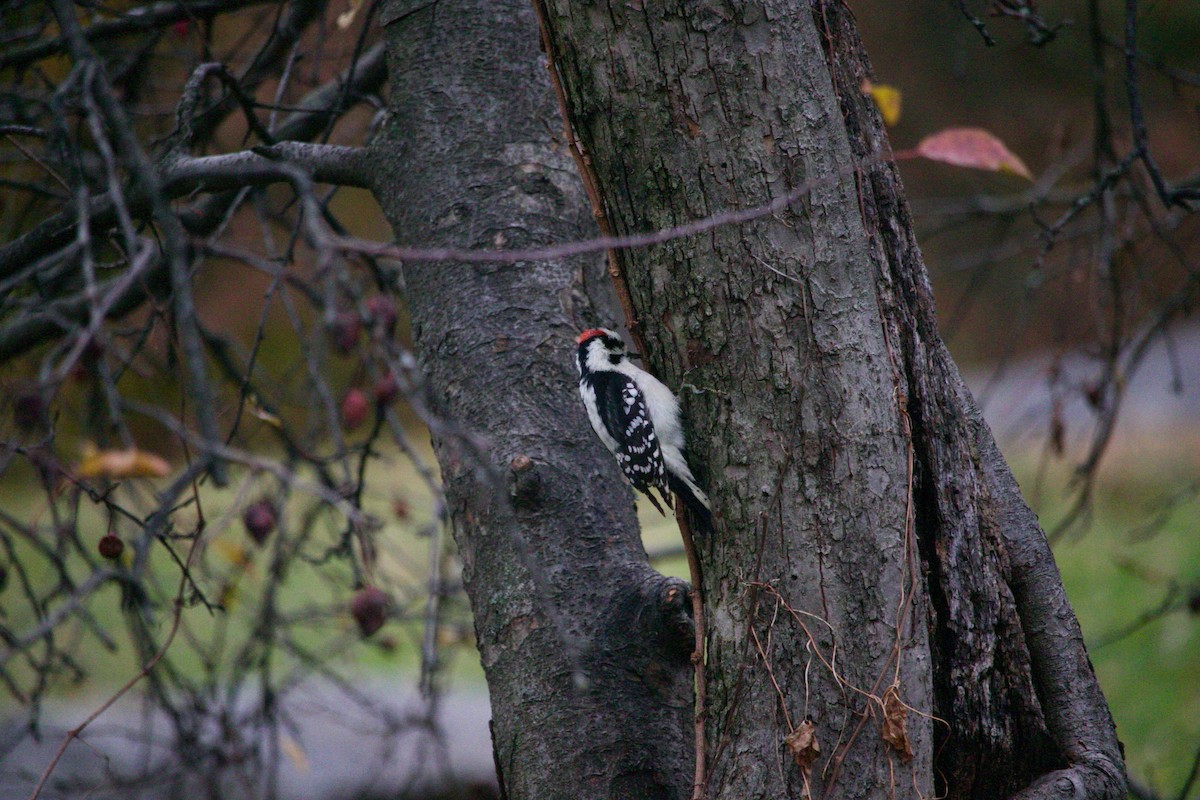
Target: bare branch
x: 326, y: 163
x: 1182, y: 196
x: 139, y: 18
x: 177, y: 487
x: 602, y: 243
x: 189, y: 99
x: 1074, y: 708
x: 174, y: 240
x: 317, y: 109
x: 977, y: 23
x: 114, y: 299
x: 1038, y: 32
x: 295, y: 18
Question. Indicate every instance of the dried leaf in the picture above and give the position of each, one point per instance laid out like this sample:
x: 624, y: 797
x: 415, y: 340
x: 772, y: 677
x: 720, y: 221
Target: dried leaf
x: 295, y: 753
x: 972, y: 147
x: 116, y: 464
x: 261, y: 413
x: 895, y: 722
x: 888, y: 99
x: 346, y: 17
x: 803, y: 745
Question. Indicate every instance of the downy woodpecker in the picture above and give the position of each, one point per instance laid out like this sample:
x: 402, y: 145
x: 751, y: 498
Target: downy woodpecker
x: 637, y: 418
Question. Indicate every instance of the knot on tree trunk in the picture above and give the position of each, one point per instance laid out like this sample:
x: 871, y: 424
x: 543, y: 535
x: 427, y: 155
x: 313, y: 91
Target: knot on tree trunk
x: 658, y: 612
x: 1097, y: 776
x: 524, y: 481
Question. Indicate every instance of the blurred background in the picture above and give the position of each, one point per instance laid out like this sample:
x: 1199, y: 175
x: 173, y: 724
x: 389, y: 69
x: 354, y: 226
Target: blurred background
x: 1077, y: 331
x: 1043, y: 335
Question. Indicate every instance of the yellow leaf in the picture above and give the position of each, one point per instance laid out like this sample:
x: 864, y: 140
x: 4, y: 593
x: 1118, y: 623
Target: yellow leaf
x: 232, y: 552
x: 116, y: 464
x: 228, y: 598
x: 972, y: 147
x: 888, y: 99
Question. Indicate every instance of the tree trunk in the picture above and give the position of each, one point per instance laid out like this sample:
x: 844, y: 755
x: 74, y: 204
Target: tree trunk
x: 873, y: 556
x: 584, y: 646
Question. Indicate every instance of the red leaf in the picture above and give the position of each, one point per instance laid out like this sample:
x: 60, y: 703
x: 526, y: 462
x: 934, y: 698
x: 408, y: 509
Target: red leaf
x: 972, y: 147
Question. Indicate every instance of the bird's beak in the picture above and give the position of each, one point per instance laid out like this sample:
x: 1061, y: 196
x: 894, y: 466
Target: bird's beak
x: 638, y: 356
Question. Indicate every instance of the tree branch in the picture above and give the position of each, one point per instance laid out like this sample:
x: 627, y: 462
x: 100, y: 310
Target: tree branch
x: 316, y: 110
x: 326, y: 163
x: 977, y: 23
x: 173, y: 491
x: 1073, y: 706
x: 295, y: 18
x: 140, y: 18
x: 1170, y: 197
x: 189, y: 99
x: 112, y: 300
x: 174, y: 239
x: 289, y: 162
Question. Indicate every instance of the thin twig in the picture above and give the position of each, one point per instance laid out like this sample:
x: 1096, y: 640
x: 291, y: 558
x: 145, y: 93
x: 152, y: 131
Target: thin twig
x: 1170, y: 197
x: 601, y: 243
x: 700, y: 777
x: 133, y: 20
x: 75, y: 732
x: 977, y: 23
x: 173, y: 236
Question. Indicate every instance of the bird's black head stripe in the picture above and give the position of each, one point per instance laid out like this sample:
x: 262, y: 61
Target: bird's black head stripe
x: 613, y: 342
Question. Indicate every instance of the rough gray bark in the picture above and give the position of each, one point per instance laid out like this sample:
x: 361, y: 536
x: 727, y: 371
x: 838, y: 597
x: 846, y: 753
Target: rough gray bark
x: 815, y: 374
x: 584, y: 645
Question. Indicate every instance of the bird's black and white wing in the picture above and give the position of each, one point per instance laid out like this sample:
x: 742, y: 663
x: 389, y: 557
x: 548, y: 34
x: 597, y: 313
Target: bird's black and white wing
x: 630, y: 433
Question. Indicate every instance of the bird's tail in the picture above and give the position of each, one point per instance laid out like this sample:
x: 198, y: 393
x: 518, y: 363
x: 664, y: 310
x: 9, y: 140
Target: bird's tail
x: 694, y: 500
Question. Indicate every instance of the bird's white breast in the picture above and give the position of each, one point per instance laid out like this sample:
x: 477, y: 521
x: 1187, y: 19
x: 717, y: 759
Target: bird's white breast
x: 589, y: 402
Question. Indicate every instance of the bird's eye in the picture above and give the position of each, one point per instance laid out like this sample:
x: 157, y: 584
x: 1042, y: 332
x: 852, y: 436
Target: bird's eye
x: 614, y: 358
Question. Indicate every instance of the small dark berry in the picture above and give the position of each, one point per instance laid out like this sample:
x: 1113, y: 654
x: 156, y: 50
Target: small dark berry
x: 92, y: 351
x: 28, y: 411
x: 383, y: 314
x: 386, y: 389
x: 259, y: 519
x: 87, y: 368
x: 369, y: 609
x: 111, y: 546
x: 400, y: 508
x: 354, y: 409
x: 345, y: 332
